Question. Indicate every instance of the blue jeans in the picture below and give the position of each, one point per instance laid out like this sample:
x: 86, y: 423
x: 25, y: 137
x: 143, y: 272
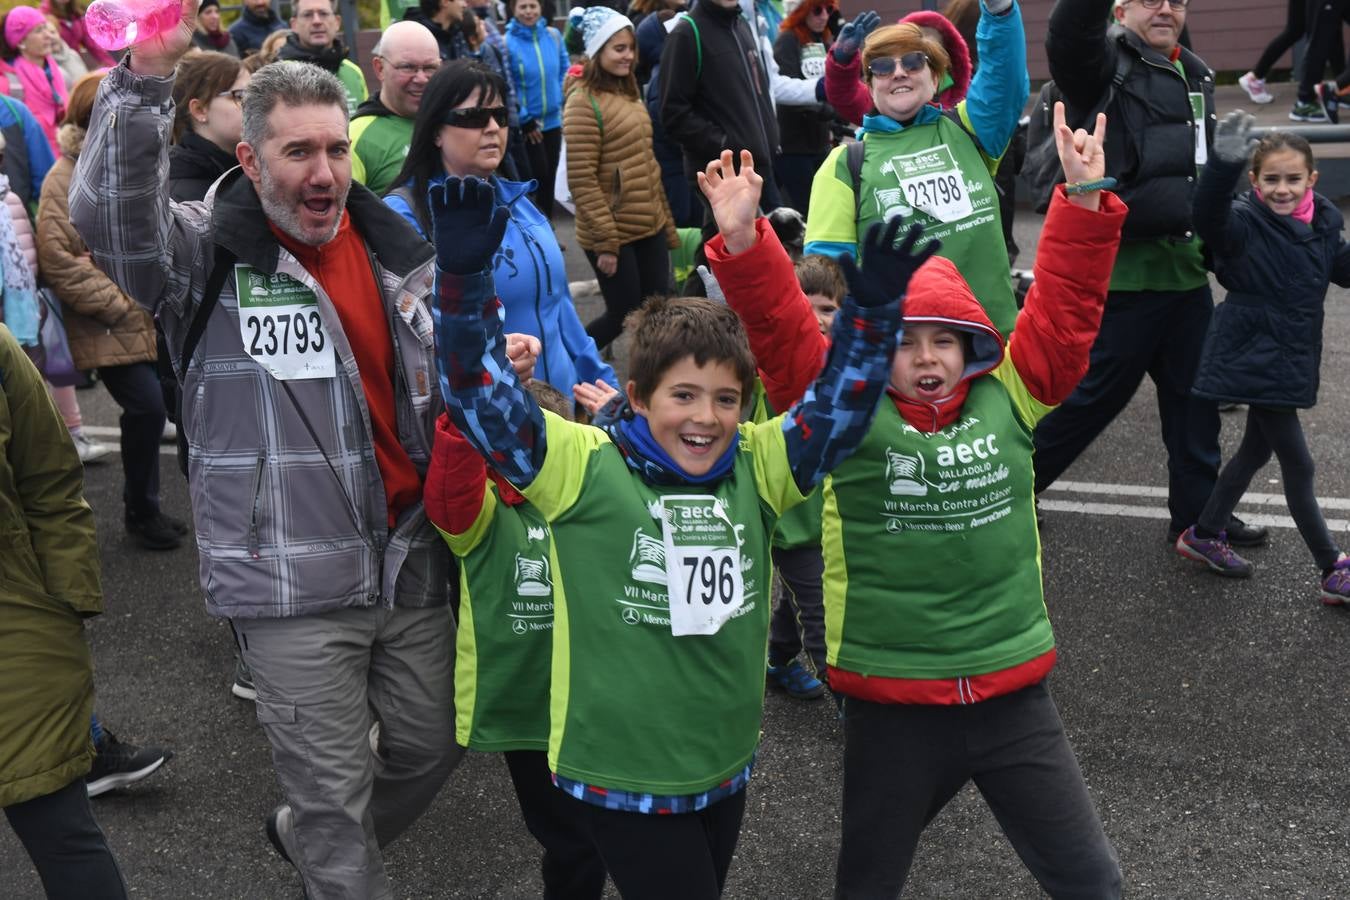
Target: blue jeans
x: 1154, y: 333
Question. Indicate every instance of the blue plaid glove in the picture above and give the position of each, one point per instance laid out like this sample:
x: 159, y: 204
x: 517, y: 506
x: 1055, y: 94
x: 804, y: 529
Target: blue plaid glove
x: 889, y: 267
x: 466, y: 225
x: 852, y: 35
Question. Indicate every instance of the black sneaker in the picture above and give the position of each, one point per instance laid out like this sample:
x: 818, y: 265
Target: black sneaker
x: 156, y: 532
x: 117, y: 764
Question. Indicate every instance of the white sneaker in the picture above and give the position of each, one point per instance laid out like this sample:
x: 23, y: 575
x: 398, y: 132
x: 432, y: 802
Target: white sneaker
x: 1256, y: 89
x: 170, y: 435
x: 89, y: 449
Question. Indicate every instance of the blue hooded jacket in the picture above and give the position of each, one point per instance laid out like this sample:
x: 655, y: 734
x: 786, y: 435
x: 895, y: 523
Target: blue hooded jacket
x: 538, y: 63
x: 531, y: 279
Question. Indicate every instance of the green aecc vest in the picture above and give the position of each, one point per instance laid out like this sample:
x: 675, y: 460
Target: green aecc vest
x: 932, y: 560
x: 634, y: 707
x: 936, y: 176
x: 505, y: 637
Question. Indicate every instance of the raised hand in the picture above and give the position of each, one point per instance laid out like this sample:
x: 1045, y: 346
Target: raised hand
x: 593, y: 396
x: 852, y: 35
x: 466, y: 225
x: 522, y: 351
x: 734, y: 198
x: 889, y: 266
x: 159, y: 55
x: 1081, y: 155
x: 1233, y: 136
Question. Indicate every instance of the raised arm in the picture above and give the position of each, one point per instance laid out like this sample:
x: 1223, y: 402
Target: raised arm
x: 1055, y: 330
x: 1213, y: 200
x: 1001, y: 85
x: 119, y: 196
x: 1082, y: 59
x: 760, y: 283
x: 483, y: 395
x: 844, y: 89
x: 826, y: 426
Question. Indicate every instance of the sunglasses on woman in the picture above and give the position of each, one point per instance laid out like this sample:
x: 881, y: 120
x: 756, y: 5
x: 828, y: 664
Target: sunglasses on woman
x: 476, y: 116
x: 915, y: 61
x: 821, y: 9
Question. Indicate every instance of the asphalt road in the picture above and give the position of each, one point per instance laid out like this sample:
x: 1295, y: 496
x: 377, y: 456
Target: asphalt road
x: 1210, y: 717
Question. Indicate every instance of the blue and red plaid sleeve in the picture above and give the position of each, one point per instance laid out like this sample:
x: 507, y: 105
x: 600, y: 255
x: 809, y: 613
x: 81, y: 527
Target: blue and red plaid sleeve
x: 483, y: 396
x: 829, y: 422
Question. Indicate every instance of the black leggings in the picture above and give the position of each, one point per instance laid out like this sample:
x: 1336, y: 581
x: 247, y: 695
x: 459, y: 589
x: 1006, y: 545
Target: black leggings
x: 1295, y: 26
x: 572, y: 869
x: 68, y: 849
x: 1324, y: 31
x: 544, y: 168
x: 652, y: 857
x: 136, y: 389
x: 1277, y: 431
x: 644, y: 270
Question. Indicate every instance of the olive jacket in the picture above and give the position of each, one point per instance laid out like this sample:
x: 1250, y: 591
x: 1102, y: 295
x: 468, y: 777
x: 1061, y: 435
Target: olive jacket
x: 49, y: 582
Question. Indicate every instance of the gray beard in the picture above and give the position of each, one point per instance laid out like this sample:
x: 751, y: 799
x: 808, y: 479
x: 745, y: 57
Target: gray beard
x: 287, y: 219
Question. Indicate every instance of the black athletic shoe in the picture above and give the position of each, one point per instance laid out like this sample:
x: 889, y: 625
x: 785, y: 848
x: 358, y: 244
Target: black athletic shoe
x: 1240, y: 534
x: 118, y: 765
x: 156, y: 532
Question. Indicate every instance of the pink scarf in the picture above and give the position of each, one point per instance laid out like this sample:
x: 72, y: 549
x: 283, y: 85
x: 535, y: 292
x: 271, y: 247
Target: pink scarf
x: 44, y: 93
x: 1303, y: 212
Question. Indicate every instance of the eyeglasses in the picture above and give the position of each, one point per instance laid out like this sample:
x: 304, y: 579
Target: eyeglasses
x: 476, y: 116
x: 915, y: 61
x: 821, y: 9
x: 235, y: 94
x: 412, y: 70
x: 1157, y: 4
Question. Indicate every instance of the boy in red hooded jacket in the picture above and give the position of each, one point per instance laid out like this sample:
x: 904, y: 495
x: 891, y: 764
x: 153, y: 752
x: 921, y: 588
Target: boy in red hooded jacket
x: 935, y: 619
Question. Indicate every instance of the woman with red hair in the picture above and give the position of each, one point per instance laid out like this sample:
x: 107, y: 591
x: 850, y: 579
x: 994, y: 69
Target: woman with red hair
x: 803, y: 41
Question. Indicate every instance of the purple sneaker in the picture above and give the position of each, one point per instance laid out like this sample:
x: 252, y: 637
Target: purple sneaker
x: 1336, y: 586
x: 1213, y: 552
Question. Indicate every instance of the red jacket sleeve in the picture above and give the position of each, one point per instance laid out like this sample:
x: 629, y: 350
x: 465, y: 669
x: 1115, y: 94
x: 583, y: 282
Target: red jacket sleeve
x: 1063, y: 312
x: 844, y: 89
x: 456, y: 480
x: 761, y: 286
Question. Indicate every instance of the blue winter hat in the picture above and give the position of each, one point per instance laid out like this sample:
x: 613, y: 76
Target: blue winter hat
x: 597, y: 25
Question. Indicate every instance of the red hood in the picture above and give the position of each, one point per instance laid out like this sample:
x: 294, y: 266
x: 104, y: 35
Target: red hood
x: 956, y: 48
x: 939, y: 295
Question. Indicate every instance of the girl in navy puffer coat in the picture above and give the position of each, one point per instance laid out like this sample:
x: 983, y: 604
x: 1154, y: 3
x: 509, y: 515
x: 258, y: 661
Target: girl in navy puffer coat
x: 1275, y: 249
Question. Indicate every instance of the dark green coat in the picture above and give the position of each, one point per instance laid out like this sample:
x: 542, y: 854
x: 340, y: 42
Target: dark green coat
x: 49, y: 583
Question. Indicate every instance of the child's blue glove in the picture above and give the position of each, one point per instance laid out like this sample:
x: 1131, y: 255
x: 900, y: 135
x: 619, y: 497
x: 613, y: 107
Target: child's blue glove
x: 852, y: 35
x: 889, y: 266
x: 466, y: 225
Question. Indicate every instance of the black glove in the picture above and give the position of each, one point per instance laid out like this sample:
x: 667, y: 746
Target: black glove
x: 889, y: 266
x: 466, y: 225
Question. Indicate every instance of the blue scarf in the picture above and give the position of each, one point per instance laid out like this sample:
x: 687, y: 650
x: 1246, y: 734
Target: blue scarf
x: 645, y: 456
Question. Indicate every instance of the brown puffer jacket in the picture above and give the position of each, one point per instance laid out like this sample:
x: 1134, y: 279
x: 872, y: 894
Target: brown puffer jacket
x: 615, y: 180
x: 105, y: 326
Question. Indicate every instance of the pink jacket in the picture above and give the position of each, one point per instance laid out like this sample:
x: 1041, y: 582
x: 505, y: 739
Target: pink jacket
x: 852, y: 100
x: 45, y: 95
x: 23, y: 230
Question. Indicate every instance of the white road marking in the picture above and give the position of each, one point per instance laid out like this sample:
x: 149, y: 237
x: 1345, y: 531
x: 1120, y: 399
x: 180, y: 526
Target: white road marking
x: 1250, y: 501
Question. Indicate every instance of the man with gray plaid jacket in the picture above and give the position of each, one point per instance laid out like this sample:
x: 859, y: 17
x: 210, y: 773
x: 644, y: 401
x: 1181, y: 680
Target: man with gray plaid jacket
x: 309, y: 408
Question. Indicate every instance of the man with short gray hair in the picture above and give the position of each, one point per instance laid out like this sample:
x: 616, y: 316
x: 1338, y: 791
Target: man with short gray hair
x: 296, y: 311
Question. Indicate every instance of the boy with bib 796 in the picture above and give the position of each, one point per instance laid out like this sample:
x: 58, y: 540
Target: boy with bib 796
x: 661, y: 526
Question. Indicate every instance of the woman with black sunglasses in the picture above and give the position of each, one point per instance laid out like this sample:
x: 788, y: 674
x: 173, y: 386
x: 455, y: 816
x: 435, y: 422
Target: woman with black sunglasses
x: 932, y: 165
x: 461, y: 130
